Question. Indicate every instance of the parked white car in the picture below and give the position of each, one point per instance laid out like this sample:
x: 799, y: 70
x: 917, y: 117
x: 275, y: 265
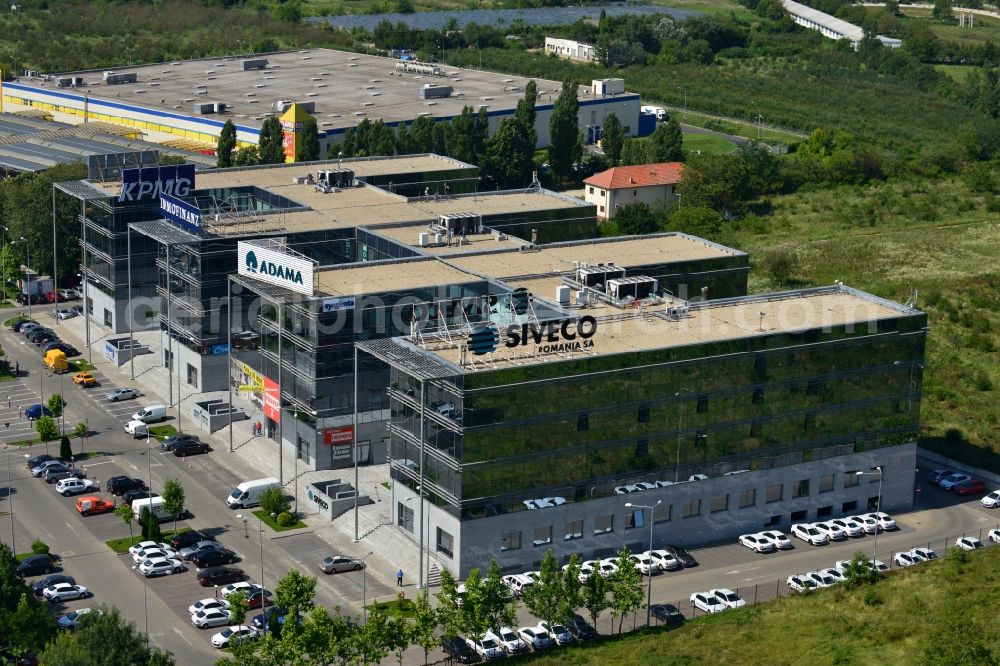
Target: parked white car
x: 65, y: 591
x: 810, y: 534
x: 800, y: 583
x: 833, y: 573
x: 508, y: 640
x: 851, y: 526
x: 831, y: 530
x: 208, y: 604
x: 143, y: 545
x: 160, y: 566
x: 607, y: 566
x: 968, y: 543
x: 664, y: 560
x: 759, y: 543
x: 780, y: 539
x: 587, y: 569
x: 214, y: 617
x: 645, y: 564
x: 868, y: 523
x: 952, y: 480
x: 992, y: 500
x: 560, y: 634
x: 884, y: 520
x: 841, y: 565
x: 233, y: 634
x: 151, y: 553
x: 707, y: 602
x: 728, y: 597
x: 487, y: 648
x: 924, y: 554
x: 905, y: 559
x: 822, y: 578
x: 535, y: 637
x: 994, y: 535
x: 74, y: 486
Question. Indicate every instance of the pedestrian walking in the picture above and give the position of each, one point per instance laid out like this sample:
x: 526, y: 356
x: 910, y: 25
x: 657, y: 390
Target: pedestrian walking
x: 399, y: 578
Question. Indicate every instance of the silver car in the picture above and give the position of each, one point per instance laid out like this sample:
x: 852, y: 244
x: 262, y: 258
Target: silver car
x: 338, y: 563
x: 186, y: 553
x: 124, y: 393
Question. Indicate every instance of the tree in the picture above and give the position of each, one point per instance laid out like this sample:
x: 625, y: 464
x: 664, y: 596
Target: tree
x: 860, y: 571
x: 125, y: 512
x: 595, y: 596
x: 238, y: 607
x: 173, y: 499
x: 471, y: 618
x: 942, y: 10
x: 150, y: 525
x: 246, y: 156
x: 270, y: 145
x: 667, y: 143
x: 425, y: 624
x: 449, y: 611
x: 308, y: 141
x: 422, y: 134
x: 636, y: 151
x: 695, y: 220
x: 10, y: 265
x: 719, y: 182
x: 397, y: 636
x: 65, y: 448
x: 103, y: 639
x: 226, y: 146
x: 780, y: 265
x: 613, y: 138
x: 958, y: 641
x: 55, y: 403
x: 626, y: 587
x: 565, y: 145
x: 295, y: 592
x: 28, y: 627
x: 496, y: 603
x: 508, y: 155
x: 525, y: 112
x: 481, y: 132
x: 273, y: 501
x: 635, y: 219
x: 544, y: 599
x: 572, y: 592
x: 47, y: 428
x: 459, y: 137
x: 374, y: 640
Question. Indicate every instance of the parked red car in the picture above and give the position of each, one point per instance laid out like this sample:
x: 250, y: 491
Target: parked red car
x: 974, y: 487
x: 54, y: 297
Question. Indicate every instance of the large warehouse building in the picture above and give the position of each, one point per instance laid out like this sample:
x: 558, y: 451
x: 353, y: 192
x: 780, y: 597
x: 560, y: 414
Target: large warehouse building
x: 193, y: 99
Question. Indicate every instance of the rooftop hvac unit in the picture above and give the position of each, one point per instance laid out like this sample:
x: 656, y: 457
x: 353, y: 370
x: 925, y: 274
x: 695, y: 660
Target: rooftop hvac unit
x: 218, y: 107
x: 78, y: 81
x: 461, y: 223
x: 202, y: 108
x: 259, y: 63
x: 637, y: 287
x: 336, y: 177
x: 677, y: 312
x: 281, y: 105
x: 418, y: 68
x: 562, y: 295
x: 64, y: 82
x: 114, y: 78
x: 431, y: 91
x: 424, y: 239
x: 591, y: 276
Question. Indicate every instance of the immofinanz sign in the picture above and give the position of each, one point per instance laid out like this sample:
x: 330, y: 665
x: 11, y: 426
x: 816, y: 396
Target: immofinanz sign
x: 277, y: 268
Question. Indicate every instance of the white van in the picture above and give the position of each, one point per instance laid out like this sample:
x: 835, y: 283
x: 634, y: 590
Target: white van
x: 658, y: 111
x: 248, y: 493
x: 155, y: 505
x: 137, y: 429
x: 151, y: 414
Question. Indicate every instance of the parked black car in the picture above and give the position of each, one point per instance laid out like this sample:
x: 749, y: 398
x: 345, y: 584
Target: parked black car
x: 189, y: 538
x: 168, y: 442
x: 680, y: 554
x: 667, y: 614
x: 38, y: 460
x: 261, y: 620
x: 119, y: 485
x: 35, y: 565
x: 65, y: 348
x: 35, y: 333
x: 134, y: 495
x: 580, y: 628
x: 214, y: 557
x: 36, y: 299
x: 458, y: 649
x: 219, y: 576
x: 62, y: 471
x: 189, y: 446
x: 54, y: 579
x: 16, y: 326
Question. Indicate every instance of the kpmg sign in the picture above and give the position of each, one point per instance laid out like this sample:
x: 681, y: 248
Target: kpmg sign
x: 181, y: 212
x: 277, y: 268
x: 150, y: 182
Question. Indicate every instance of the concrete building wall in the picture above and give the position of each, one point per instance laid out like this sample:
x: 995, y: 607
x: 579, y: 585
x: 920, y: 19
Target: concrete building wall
x: 607, y: 201
x: 476, y: 542
x: 570, y: 49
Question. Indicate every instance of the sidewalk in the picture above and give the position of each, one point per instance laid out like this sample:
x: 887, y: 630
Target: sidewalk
x: 256, y: 456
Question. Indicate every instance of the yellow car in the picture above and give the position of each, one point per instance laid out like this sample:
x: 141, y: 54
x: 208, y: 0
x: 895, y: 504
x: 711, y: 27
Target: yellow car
x: 84, y: 379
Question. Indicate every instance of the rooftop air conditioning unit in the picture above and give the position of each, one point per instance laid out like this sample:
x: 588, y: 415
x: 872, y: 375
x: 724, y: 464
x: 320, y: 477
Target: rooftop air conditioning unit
x: 592, y: 276
x: 636, y: 287
x: 677, y: 312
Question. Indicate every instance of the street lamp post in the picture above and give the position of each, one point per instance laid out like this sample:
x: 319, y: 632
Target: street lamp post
x: 649, y: 575
x: 878, y: 507
x: 680, y: 426
x: 364, y: 586
x: 909, y: 386
x: 27, y: 271
x: 260, y: 528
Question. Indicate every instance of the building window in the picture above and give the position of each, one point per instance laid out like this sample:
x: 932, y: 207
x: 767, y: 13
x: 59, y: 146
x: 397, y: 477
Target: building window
x: 824, y: 512
x: 809, y: 423
x: 849, y: 507
x: 720, y: 503
x: 601, y: 192
x: 600, y: 209
x: 702, y: 404
x: 774, y: 521
x: 755, y: 429
x: 107, y: 318
x: 635, y: 193
x: 543, y: 536
x: 635, y: 518
x: 758, y: 396
x: 511, y: 540
x: 404, y: 517
x: 643, y: 415
x: 663, y: 513
x: 801, y: 489
x: 192, y: 375
x: 583, y: 422
x: 692, y: 509
x: 574, y: 530
x: 826, y: 483
x: 641, y: 447
x: 773, y: 494
x: 799, y: 516
x: 591, y: 190
x: 445, y: 543
x: 748, y: 498
x: 604, y: 524
x: 851, y: 479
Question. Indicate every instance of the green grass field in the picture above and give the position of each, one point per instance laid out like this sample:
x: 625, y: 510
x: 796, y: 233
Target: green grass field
x: 707, y: 144
x: 934, y: 236
x: 957, y: 72
x: 939, y: 613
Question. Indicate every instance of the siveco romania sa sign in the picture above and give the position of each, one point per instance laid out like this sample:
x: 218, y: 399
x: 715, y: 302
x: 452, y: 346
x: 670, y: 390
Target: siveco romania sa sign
x: 277, y: 268
x: 548, y: 337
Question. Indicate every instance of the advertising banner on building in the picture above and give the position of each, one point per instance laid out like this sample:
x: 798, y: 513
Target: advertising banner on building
x: 272, y: 401
x: 341, y: 435
x: 277, y: 268
x: 185, y: 215
x: 150, y: 182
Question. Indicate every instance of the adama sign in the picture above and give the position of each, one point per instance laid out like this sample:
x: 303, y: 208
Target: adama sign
x: 278, y: 268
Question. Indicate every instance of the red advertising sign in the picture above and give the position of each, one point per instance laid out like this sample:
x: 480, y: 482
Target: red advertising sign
x: 342, y: 435
x: 272, y: 401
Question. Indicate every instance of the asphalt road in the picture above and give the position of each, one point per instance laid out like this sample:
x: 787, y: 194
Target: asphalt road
x: 207, y: 479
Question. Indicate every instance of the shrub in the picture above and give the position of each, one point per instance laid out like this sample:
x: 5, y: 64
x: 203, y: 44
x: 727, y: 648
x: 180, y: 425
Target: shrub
x: 65, y: 448
x: 39, y: 547
x: 871, y: 597
x: 81, y: 429
x: 284, y: 519
x: 47, y: 428
x: 274, y: 502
